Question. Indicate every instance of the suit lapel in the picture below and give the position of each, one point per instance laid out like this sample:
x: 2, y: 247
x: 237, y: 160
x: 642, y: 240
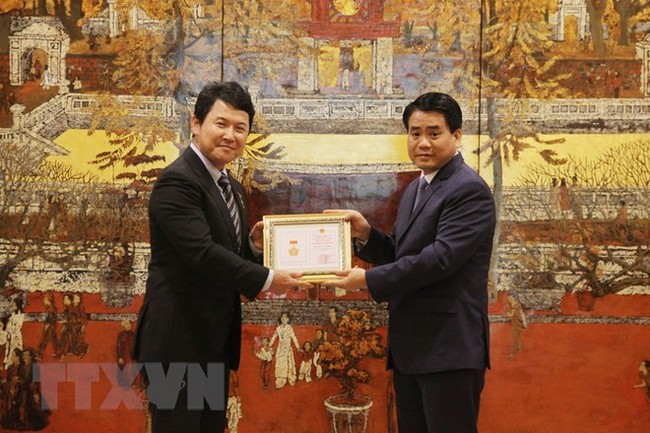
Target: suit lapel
x: 404, y: 213
x: 405, y: 217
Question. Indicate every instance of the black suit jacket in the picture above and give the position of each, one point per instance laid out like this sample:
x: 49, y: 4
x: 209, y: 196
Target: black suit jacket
x: 433, y: 272
x: 191, y: 310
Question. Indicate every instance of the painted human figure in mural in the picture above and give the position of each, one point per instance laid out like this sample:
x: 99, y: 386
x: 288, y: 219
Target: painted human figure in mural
x: 80, y: 317
x: 31, y: 413
x: 67, y: 328
x: 346, y: 66
x: 13, y: 330
x: 621, y: 221
x: 233, y: 407
x: 615, y: 83
x: 306, y: 362
x: 124, y: 344
x: 359, y: 83
x: 36, y: 417
x: 576, y: 198
x: 565, y: 198
x: 76, y: 84
x: 57, y: 211
x: 320, y: 339
x: 332, y: 322
x: 265, y: 354
x: 26, y: 412
x: 10, y: 388
x: 644, y: 374
x: 48, y: 335
x: 120, y: 265
x: 554, y: 198
x: 37, y: 69
x: 285, y: 364
x: 48, y: 80
x: 518, y: 322
x: 127, y: 376
x: 125, y: 362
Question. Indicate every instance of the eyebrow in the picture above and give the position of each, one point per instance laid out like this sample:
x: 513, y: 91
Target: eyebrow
x: 434, y: 127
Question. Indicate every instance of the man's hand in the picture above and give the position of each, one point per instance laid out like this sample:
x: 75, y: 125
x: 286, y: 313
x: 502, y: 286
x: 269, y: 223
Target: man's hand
x: 359, y: 226
x: 352, y: 280
x: 257, y: 235
x: 284, y: 280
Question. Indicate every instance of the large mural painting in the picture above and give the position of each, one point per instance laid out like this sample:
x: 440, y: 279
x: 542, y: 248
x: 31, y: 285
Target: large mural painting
x: 95, y: 99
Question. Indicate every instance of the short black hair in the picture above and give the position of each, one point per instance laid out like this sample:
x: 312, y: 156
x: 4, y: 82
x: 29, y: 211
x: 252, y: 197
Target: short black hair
x: 439, y: 103
x: 229, y: 92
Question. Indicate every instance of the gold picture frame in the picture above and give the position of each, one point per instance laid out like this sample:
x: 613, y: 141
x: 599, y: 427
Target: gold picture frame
x: 316, y: 244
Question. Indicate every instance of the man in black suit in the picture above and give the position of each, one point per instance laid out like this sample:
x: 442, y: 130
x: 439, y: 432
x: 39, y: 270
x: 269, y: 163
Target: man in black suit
x: 433, y: 271
x: 202, y: 260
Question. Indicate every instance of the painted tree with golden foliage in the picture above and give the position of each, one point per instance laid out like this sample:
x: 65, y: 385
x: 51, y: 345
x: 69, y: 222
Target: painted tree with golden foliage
x: 341, y: 358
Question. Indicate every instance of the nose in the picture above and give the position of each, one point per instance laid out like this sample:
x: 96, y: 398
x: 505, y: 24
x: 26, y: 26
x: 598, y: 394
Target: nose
x: 423, y: 142
x: 229, y: 133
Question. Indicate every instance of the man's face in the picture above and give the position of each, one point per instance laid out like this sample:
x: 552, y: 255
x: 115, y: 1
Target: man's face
x: 222, y: 135
x: 430, y: 143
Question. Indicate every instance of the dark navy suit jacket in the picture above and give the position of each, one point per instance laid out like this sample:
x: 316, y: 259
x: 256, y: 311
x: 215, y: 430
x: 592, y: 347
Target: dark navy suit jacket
x: 191, y: 310
x: 433, y: 271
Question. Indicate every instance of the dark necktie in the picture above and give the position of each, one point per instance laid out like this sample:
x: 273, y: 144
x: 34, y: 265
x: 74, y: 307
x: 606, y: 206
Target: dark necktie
x: 421, y: 187
x: 224, y: 183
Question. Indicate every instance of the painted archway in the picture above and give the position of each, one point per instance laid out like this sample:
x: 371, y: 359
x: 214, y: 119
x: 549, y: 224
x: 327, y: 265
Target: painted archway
x: 37, y: 33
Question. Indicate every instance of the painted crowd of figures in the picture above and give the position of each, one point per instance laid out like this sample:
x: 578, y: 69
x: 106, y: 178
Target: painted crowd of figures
x: 71, y: 340
x: 21, y: 406
x: 287, y: 368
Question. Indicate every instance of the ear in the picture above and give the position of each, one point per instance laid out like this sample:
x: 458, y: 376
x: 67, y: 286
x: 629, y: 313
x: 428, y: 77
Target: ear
x: 457, y: 134
x: 195, y: 124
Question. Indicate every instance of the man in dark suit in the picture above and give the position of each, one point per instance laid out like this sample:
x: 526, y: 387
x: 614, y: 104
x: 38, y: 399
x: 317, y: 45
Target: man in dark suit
x: 433, y: 271
x: 202, y: 260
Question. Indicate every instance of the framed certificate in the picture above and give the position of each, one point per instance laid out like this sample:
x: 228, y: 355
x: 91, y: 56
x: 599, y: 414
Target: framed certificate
x: 315, y: 244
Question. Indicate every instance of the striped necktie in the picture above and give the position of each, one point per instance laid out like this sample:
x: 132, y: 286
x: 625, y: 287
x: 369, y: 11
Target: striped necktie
x: 423, y: 184
x: 224, y: 183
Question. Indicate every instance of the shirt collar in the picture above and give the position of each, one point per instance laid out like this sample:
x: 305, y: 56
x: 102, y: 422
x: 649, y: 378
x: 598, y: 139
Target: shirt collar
x: 215, y: 173
x: 429, y: 177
